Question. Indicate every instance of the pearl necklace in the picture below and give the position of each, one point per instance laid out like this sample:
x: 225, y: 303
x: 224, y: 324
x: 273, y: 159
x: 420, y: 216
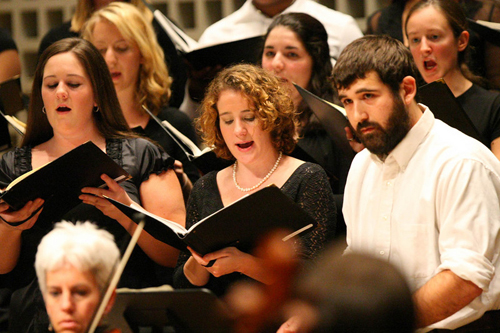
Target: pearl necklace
x: 248, y: 189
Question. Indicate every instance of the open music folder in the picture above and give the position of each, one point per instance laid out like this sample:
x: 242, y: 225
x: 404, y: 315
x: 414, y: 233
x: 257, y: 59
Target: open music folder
x: 241, y: 224
x: 62, y: 179
x: 332, y: 117
x: 243, y: 50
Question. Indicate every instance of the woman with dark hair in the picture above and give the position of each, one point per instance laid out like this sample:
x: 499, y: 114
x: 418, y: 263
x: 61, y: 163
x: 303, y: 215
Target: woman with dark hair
x: 439, y: 42
x: 74, y: 101
x: 296, y: 49
x: 248, y: 117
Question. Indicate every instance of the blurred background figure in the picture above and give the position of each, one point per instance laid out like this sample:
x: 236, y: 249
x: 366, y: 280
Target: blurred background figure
x: 84, y: 10
x: 354, y: 293
x: 439, y: 42
x: 74, y: 265
x: 128, y: 44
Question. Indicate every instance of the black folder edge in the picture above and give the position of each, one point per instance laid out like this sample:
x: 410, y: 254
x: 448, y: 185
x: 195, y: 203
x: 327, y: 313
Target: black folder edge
x: 332, y: 120
x: 238, y: 51
x: 489, y: 34
x: 438, y: 97
x: 243, y: 50
x: 206, y: 162
x: 187, y: 310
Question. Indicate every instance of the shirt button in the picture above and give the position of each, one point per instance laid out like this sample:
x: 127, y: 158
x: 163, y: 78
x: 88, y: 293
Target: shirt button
x: 384, y: 217
x: 382, y: 253
x: 389, y: 183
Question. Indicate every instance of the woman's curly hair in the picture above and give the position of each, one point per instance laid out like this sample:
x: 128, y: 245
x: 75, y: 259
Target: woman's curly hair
x: 266, y: 94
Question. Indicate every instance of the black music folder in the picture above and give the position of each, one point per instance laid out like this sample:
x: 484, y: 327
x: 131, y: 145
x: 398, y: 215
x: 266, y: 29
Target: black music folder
x: 183, y: 310
x: 204, y: 159
x: 443, y: 104
x: 63, y: 178
x: 241, y: 224
x: 244, y: 50
x: 332, y: 117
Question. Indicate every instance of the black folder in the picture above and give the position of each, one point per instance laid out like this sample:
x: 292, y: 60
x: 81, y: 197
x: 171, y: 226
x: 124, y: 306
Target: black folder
x: 443, y: 104
x: 63, y: 178
x: 241, y: 224
x: 183, y: 310
x: 489, y: 34
x: 332, y: 120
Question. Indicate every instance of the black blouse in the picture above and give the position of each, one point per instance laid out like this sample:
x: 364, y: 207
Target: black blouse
x: 308, y: 186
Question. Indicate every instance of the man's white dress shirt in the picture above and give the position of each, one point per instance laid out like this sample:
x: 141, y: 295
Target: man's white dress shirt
x: 248, y: 21
x: 432, y: 205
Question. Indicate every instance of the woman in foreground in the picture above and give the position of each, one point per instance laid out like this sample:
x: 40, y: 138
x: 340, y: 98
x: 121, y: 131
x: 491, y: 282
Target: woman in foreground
x: 248, y: 117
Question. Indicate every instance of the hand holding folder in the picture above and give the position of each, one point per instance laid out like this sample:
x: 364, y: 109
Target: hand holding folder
x: 62, y: 179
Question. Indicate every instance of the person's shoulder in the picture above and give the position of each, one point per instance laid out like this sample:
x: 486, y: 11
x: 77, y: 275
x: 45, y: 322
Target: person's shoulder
x: 318, y: 10
x: 224, y: 25
x: 450, y: 144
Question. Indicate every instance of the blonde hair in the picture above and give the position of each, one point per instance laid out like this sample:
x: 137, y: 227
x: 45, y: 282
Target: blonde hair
x: 153, y: 89
x: 85, y: 8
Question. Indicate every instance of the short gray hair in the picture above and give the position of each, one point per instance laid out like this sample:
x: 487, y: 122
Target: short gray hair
x: 82, y: 245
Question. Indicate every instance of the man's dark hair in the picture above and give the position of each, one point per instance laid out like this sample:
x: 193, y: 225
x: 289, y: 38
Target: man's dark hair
x: 384, y: 55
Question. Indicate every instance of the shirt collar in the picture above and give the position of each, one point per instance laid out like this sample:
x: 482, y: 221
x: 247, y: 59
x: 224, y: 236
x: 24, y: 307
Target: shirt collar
x: 403, y: 152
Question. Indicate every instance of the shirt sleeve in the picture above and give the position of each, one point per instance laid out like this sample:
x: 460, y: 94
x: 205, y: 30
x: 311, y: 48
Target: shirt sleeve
x: 152, y: 158
x: 468, y: 218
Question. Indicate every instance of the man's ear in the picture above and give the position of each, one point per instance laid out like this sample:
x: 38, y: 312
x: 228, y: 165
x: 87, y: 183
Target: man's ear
x: 408, y: 89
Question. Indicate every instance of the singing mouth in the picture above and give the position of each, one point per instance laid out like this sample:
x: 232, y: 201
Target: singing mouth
x: 63, y: 109
x: 245, y: 145
x: 429, y: 64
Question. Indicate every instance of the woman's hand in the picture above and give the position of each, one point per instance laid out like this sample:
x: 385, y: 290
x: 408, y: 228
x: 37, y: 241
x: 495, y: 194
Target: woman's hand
x: 225, y: 261
x: 95, y: 197
x: 29, y: 213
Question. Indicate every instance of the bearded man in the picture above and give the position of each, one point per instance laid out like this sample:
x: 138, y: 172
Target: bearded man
x: 422, y: 195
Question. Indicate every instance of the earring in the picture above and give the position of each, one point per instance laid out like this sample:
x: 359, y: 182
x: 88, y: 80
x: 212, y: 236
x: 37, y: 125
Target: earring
x: 96, y: 109
x: 43, y: 110
x: 50, y: 327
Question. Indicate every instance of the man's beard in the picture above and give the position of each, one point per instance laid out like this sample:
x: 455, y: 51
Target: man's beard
x: 382, y: 141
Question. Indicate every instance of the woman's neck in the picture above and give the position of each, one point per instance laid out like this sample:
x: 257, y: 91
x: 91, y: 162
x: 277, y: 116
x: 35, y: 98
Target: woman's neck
x: 457, y: 82
x: 59, y: 145
x: 132, y: 110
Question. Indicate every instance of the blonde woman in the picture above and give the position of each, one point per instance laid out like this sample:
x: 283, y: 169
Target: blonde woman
x: 127, y: 42
x: 85, y: 9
